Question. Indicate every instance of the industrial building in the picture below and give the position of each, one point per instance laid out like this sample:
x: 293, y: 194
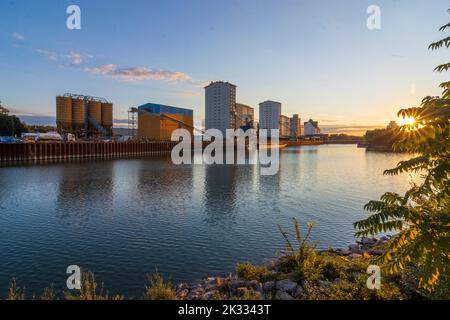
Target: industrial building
x: 83, y: 115
x: 220, y: 106
x: 157, y: 121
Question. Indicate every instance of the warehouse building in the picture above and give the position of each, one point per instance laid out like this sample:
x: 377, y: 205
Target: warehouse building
x: 157, y: 121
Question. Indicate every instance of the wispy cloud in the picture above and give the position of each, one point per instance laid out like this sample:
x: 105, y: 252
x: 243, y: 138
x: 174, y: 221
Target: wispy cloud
x: 138, y: 74
x: 18, y: 36
x: 69, y: 59
x: 50, y: 55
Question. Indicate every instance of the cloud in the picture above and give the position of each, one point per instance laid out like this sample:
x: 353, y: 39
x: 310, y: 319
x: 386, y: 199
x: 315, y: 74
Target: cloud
x: 138, y: 74
x: 50, y: 55
x: 18, y: 36
x: 69, y: 59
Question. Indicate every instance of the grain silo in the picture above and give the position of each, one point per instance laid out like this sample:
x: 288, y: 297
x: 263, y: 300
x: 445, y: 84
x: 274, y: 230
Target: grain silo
x: 78, y: 114
x: 107, y: 116
x: 95, y: 113
x: 64, y: 114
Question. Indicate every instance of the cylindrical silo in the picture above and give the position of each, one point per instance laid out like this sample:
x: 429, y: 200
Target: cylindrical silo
x: 64, y: 113
x: 95, y: 112
x: 107, y: 115
x: 78, y: 114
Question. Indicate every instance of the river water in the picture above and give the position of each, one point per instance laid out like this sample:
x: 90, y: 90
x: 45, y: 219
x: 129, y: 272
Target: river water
x: 122, y: 219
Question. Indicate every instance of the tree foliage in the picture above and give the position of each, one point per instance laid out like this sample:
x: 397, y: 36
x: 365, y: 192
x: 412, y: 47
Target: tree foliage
x: 11, y: 125
x: 382, y: 137
x: 421, y: 217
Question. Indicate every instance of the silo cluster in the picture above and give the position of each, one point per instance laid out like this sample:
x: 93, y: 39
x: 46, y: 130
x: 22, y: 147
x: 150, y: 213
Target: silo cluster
x: 81, y: 114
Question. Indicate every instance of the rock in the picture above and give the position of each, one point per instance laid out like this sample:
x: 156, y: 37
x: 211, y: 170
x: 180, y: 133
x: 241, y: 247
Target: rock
x: 192, y: 297
x: 324, y: 284
x: 255, y: 285
x: 368, y: 241
x: 210, y: 287
x: 286, y: 285
x: 354, y: 248
x: 376, y: 252
x: 241, y: 291
x: 182, y: 294
x: 269, y: 286
x: 343, y: 252
x: 234, y: 284
x: 354, y: 256
x: 281, y: 295
x: 298, y: 292
x: 182, y: 286
x: 210, y: 294
x: 199, y: 291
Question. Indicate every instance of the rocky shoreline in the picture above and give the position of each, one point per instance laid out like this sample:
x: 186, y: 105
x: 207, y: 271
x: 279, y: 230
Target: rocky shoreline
x: 286, y: 287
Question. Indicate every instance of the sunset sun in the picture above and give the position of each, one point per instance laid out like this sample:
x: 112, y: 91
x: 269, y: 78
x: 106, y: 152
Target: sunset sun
x: 407, y: 121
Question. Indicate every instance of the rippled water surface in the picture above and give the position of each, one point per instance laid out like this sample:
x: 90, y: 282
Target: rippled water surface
x: 123, y: 218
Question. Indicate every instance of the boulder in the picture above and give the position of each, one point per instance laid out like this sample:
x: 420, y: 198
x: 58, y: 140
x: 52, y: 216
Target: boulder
x: 298, y: 292
x: 182, y: 286
x: 255, y: 285
x: 210, y: 294
x: 281, y: 295
x: 286, y: 285
x: 269, y: 286
x: 241, y: 291
x: 354, y: 248
x: 182, y: 294
x: 234, y: 284
x: 343, y: 252
x: 376, y: 252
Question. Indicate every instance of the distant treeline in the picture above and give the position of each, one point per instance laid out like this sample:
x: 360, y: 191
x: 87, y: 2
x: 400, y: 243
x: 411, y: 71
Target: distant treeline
x: 382, y: 137
x: 344, y: 137
x: 11, y: 125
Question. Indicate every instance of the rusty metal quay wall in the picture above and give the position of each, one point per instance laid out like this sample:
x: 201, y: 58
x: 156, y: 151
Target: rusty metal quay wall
x: 81, y: 150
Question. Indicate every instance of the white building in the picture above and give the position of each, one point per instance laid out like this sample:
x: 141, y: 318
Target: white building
x: 311, y: 128
x: 220, y: 106
x: 269, y: 115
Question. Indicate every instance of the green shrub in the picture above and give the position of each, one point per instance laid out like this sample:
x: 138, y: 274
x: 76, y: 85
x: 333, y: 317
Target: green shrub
x: 247, y: 271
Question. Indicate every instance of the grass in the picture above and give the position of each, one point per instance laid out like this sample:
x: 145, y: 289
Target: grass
x: 158, y: 289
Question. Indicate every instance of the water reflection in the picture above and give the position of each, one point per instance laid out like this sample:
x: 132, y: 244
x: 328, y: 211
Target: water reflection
x: 122, y: 218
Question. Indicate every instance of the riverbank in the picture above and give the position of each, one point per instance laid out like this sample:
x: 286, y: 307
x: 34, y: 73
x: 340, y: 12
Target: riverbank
x: 323, y: 274
x: 306, y: 274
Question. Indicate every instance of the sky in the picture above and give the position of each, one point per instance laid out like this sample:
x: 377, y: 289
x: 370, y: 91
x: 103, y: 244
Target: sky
x: 316, y: 57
